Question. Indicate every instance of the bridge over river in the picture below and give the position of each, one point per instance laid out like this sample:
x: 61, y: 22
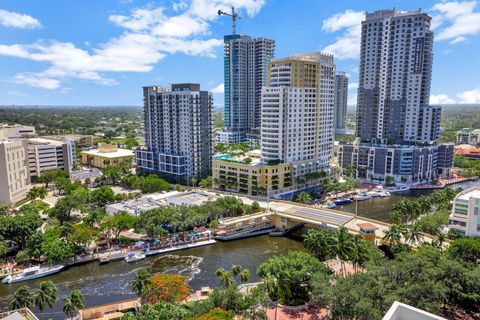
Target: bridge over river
x: 286, y: 214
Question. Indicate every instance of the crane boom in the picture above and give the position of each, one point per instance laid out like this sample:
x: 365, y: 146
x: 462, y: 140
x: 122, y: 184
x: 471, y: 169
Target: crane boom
x: 234, y: 16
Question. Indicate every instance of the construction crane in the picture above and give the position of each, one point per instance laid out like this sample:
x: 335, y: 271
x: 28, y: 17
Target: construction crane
x: 234, y: 16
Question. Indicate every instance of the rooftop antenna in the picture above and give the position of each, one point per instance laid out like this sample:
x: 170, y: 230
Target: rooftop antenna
x: 234, y: 16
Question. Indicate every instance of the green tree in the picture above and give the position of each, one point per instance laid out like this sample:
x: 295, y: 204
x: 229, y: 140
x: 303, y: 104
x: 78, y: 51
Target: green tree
x: 22, y: 298
x: 142, y: 278
x: 20, y: 227
x: 465, y: 250
x: 74, y: 302
x: 304, y: 198
x: 225, y: 277
x: 45, y: 295
x: 320, y: 243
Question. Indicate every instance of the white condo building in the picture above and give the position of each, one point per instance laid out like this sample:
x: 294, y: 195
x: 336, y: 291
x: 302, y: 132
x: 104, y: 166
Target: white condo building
x: 465, y: 216
x: 297, y: 112
x: 14, y: 177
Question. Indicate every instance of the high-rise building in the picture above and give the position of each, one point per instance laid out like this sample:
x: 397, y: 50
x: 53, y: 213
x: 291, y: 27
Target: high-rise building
x: 14, y: 177
x: 297, y: 112
x: 396, y: 127
x: 341, y: 98
x: 245, y: 73
x: 394, y: 79
x: 178, y: 132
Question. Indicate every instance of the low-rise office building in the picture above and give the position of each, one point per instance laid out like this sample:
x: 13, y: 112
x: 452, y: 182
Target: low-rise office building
x: 402, y: 163
x: 465, y: 216
x: 468, y: 136
x: 48, y: 154
x: 249, y: 174
x: 14, y: 179
x: 107, y: 155
x: 16, y: 131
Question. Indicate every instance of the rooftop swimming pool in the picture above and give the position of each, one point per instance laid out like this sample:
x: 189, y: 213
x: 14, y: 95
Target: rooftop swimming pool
x: 223, y: 156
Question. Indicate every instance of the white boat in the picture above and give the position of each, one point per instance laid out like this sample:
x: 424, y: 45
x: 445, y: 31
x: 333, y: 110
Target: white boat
x: 32, y: 273
x: 133, y: 257
x: 400, y: 188
x: 374, y: 194
x: 329, y: 205
x: 361, y: 196
x: 384, y: 194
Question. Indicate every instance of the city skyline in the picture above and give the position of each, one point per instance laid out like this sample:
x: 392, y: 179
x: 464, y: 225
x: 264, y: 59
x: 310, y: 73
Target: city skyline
x: 124, y: 45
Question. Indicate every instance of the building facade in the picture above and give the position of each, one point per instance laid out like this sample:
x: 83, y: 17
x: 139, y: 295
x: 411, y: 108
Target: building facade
x: 396, y: 127
x: 468, y: 136
x: 394, y: 79
x: 14, y: 177
x: 107, y: 155
x: 16, y: 131
x: 297, y: 112
x: 47, y: 154
x: 341, y: 98
x: 178, y: 132
x: 256, y: 178
x: 465, y: 216
x: 245, y: 73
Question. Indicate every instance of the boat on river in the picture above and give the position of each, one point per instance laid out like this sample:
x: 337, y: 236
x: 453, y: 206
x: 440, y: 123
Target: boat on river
x: 32, y: 273
x: 361, y: 196
x: 342, y: 201
x: 134, y: 257
x: 329, y: 205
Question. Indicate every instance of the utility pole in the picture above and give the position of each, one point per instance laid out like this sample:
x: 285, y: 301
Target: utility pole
x: 234, y: 16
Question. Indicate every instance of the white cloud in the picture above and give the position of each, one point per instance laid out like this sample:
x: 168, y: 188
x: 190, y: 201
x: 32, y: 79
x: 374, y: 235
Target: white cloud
x: 455, y: 20
x: 218, y: 89
x: 149, y: 35
x: 353, y: 86
x: 471, y: 96
x: 18, y: 20
x: 347, y: 46
x: 441, y: 99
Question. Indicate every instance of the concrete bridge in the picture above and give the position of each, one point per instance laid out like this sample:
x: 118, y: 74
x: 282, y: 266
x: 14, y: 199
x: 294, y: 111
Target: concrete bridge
x: 286, y: 214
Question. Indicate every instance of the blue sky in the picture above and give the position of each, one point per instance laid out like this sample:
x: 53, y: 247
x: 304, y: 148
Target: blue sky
x: 101, y: 52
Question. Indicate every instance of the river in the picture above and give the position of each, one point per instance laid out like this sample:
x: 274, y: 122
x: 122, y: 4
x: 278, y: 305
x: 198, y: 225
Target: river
x: 106, y: 283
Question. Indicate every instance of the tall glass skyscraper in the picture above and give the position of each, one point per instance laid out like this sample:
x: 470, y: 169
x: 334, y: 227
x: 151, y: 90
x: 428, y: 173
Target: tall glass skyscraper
x: 245, y: 72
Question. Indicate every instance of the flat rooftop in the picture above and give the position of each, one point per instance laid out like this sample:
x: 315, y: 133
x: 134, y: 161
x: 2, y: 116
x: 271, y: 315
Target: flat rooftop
x: 46, y: 141
x: 116, y: 154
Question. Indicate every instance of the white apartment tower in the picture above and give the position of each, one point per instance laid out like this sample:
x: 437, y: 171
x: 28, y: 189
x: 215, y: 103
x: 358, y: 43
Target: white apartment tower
x: 297, y: 112
x: 394, y: 81
x: 14, y: 177
x: 178, y: 132
x: 341, y: 97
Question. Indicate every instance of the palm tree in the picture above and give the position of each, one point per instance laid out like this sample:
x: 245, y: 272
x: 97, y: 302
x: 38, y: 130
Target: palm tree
x: 350, y: 170
x: 42, y: 192
x: 224, y: 277
x: 320, y: 243
x: 277, y: 288
x: 414, y: 235
x: 142, y: 277
x: 343, y: 247
x: 304, y: 198
x: 22, y: 298
x: 74, y: 302
x: 32, y: 194
x: 46, y: 295
x: 425, y: 204
x: 236, y: 269
x: 393, y: 235
x: 360, y: 254
x: 244, y: 276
